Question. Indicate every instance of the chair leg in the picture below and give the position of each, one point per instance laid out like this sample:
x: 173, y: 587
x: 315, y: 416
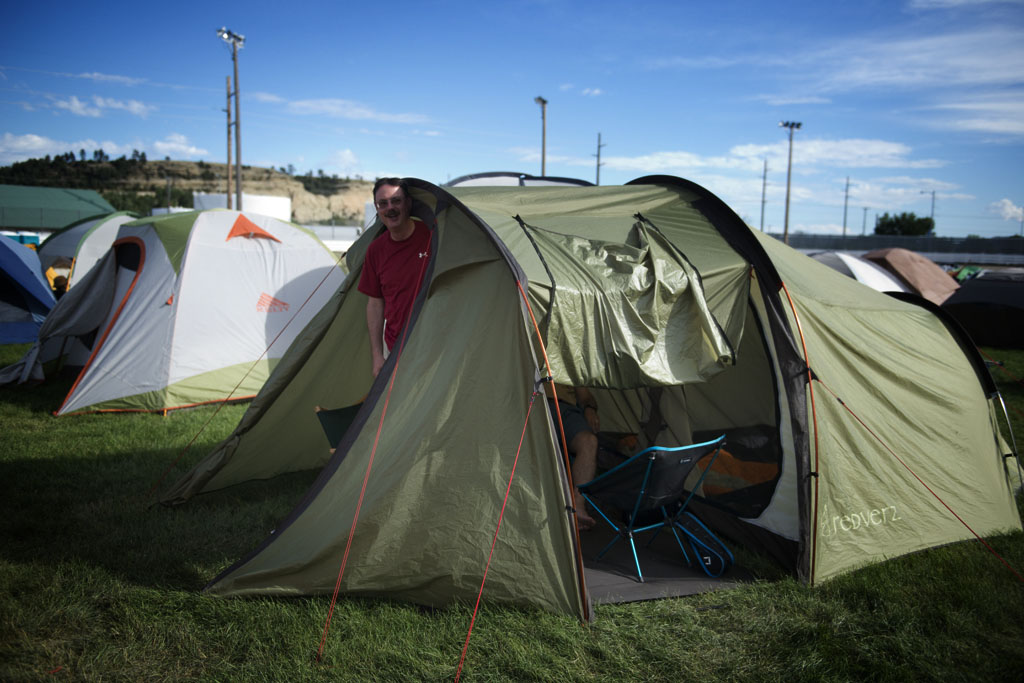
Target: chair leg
x: 686, y: 556
x: 632, y: 545
x: 615, y: 540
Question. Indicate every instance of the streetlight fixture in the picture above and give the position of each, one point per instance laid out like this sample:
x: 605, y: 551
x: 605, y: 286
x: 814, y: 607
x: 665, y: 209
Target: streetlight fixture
x: 236, y: 41
x: 791, y: 125
x: 543, y: 131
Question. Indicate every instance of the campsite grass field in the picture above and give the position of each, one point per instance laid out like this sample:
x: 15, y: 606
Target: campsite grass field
x: 99, y: 583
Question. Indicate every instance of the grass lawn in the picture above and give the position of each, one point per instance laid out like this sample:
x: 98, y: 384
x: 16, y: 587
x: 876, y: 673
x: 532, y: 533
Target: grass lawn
x: 97, y: 582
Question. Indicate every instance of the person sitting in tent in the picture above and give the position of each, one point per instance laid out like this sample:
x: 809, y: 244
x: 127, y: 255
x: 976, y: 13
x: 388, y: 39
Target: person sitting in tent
x: 60, y: 285
x: 579, y: 419
x: 393, y: 268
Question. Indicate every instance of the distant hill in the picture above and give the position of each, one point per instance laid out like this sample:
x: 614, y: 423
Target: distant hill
x: 137, y: 184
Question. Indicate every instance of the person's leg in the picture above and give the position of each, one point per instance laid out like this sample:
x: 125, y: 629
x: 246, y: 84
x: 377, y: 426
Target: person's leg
x: 584, y: 467
x: 582, y: 445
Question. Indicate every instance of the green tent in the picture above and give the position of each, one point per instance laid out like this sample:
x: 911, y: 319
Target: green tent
x: 853, y: 418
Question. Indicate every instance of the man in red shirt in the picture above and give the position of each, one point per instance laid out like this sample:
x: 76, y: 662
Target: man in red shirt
x: 394, y: 267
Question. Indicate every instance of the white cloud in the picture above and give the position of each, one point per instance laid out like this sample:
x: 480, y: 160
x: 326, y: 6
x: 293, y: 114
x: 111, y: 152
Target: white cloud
x: 848, y: 153
x: 710, y: 62
x: 77, y: 107
x: 21, y: 147
x: 343, y: 162
x: 109, y: 78
x: 532, y: 155
x: 347, y: 109
x: 951, y: 4
x: 177, y: 146
x: 131, y: 106
x: 592, y: 92
x: 990, y: 57
x: 15, y: 148
x: 789, y: 100
x: 1001, y: 113
x: 264, y: 97
x: 659, y: 162
x: 1007, y: 210
x: 100, y: 104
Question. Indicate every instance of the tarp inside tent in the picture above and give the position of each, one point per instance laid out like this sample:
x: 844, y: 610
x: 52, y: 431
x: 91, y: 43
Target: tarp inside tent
x: 684, y: 322
x: 83, y: 243
x: 184, y: 309
x: 25, y: 297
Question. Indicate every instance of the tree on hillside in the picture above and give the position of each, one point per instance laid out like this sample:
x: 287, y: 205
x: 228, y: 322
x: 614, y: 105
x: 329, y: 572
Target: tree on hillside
x: 904, y: 224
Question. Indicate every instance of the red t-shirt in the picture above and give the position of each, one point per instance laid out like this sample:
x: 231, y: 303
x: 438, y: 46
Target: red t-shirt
x: 392, y: 271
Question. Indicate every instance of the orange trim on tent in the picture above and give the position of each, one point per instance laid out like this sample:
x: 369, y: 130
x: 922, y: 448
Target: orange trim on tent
x: 168, y: 409
x: 244, y: 227
x: 113, y: 320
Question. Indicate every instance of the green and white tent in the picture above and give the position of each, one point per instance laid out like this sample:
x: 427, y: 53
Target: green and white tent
x: 83, y: 243
x: 184, y: 309
x: 839, y: 403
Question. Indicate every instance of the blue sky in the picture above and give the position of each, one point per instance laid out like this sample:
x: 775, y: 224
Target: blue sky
x: 909, y: 99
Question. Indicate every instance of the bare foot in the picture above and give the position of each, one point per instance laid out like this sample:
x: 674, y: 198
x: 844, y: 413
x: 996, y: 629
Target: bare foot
x: 584, y: 521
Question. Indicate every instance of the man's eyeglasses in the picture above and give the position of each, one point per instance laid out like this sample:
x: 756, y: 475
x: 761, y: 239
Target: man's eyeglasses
x: 394, y: 201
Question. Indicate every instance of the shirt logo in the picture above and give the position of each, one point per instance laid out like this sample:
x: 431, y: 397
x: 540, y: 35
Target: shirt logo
x: 424, y: 254
x: 268, y: 304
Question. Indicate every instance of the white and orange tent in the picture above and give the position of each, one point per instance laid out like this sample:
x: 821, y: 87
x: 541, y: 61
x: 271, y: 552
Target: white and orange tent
x: 82, y: 243
x: 184, y: 309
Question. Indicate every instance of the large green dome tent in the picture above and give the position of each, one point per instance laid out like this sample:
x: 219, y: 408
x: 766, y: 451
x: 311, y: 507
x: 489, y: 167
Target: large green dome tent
x: 839, y: 403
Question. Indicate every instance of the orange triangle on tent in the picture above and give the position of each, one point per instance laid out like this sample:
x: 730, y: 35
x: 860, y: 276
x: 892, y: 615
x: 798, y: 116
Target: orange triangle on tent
x: 244, y: 227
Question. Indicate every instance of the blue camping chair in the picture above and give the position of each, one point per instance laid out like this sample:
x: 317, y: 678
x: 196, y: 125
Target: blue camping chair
x: 651, y: 484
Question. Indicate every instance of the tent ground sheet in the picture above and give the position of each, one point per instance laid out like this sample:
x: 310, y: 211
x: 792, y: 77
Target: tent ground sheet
x: 613, y: 579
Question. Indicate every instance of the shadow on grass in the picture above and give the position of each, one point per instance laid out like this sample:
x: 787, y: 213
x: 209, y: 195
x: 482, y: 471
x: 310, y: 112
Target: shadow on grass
x: 100, y: 511
x: 45, y: 397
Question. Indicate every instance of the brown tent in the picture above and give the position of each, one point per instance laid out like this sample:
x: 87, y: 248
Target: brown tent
x: 919, y: 273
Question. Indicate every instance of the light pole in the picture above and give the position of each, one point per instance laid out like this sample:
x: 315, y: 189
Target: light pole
x: 846, y: 204
x: 228, y: 110
x: 932, y: 192
x: 236, y: 42
x: 543, y: 132
x: 791, y: 125
x: 764, y: 187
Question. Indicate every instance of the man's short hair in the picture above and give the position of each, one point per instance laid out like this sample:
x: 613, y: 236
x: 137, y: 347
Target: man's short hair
x: 395, y: 182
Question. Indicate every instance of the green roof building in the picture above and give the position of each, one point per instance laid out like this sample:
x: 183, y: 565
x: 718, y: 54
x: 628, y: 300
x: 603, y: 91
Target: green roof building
x: 47, y: 208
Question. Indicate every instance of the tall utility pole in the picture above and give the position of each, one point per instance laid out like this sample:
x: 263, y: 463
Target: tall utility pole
x: 236, y: 42
x: 932, y: 192
x: 846, y: 203
x: 597, y: 180
x: 543, y: 132
x: 864, y: 223
x: 791, y: 125
x: 228, y: 110
x: 764, y: 187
